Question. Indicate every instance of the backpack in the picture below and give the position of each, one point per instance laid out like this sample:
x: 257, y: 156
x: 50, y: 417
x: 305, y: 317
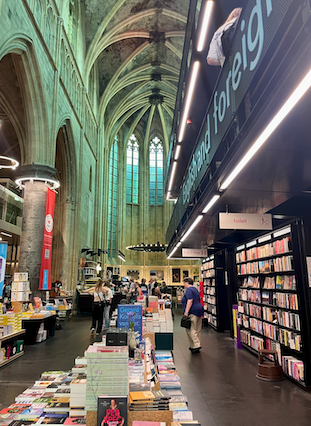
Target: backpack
x: 226, y: 39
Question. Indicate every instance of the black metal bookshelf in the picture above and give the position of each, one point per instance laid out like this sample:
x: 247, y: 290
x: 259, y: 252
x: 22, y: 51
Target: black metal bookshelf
x: 216, y: 313
x: 280, y: 304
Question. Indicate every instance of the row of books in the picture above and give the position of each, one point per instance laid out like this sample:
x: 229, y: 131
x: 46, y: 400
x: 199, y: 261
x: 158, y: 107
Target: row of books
x: 210, y: 290
x: 281, y: 300
x: 278, y: 264
x: 252, y: 341
x: 271, y: 249
x: 249, y: 309
x: 293, y: 367
x: 250, y: 295
x: 209, y: 282
x: 207, y: 265
x: 283, y: 318
x: 209, y: 273
x: 280, y: 282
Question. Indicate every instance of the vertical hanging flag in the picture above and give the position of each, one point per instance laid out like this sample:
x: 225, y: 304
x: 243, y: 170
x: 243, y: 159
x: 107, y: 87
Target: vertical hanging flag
x: 3, y: 252
x: 46, y: 258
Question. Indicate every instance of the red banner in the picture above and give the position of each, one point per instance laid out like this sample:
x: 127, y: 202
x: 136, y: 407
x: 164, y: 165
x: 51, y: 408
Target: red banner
x: 46, y: 258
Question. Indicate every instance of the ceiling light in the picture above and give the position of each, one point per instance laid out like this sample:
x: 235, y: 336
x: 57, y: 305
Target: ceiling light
x: 7, y: 235
x: 211, y: 203
x: 207, y: 15
x: 188, y: 100
x: 191, y: 228
x: 274, y: 123
x: 54, y: 182
x: 177, y: 152
x: 168, y: 196
x: 172, y: 176
x: 122, y: 258
x: 10, y: 163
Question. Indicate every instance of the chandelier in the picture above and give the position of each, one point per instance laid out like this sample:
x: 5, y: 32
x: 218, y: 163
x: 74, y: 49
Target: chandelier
x: 148, y: 247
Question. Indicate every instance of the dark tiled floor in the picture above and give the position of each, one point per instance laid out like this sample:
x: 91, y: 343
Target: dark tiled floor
x: 220, y: 382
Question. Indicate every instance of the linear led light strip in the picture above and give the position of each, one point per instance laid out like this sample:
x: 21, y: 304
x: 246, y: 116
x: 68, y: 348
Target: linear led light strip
x: 274, y: 123
x: 122, y: 258
x: 172, y: 176
x: 177, y: 152
x: 174, y: 249
x: 193, y: 79
x: 53, y: 182
x: 207, y: 15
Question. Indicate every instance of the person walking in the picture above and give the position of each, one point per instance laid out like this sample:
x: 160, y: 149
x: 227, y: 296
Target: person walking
x: 107, y: 303
x: 193, y: 309
x: 156, y: 291
x: 97, y: 305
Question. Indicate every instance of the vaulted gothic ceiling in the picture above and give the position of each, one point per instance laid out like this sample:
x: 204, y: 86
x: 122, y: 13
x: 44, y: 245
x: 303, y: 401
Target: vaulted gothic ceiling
x: 134, y: 51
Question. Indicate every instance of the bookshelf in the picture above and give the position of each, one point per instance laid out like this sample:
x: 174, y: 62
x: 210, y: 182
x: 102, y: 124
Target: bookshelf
x: 215, y: 292
x: 271, y: 299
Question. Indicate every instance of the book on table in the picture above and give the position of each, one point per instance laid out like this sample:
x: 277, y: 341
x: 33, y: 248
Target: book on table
x: 111, y: 410
x: 52, y: 419
x: 75, y: 421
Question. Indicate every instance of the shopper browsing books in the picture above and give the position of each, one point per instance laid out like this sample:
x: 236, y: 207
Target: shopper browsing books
x: 156, y: 291
x: 194, y: 310
x: 107, y: 303
x: 98, y: 305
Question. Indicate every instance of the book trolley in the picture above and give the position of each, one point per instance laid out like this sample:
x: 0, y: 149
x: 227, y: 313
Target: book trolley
x: 214, y: 292
x: 273, y: 299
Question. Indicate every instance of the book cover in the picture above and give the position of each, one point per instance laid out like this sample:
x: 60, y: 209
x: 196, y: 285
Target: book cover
x: 141, y: 423
x: 12, y: 411
x: 112, y: 410
x: 20, y: 423
x: 75, y: 421
x: 31, y: 413
x: 52, y: 419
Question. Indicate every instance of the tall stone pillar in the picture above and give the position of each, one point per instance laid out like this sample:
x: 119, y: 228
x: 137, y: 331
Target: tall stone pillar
x: 35, y: 193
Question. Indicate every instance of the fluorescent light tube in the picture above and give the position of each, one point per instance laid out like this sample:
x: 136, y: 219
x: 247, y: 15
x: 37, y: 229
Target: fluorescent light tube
x: 211, y: 203
x: 168, y: 196
x: 172, y: 176
x: 264, y: 239
x: 7, y: 235
x: 120, y: 257
x: 177, y: 152
x: 274, y: 123
x: 283, y: 231
x: 191, y: 228
x: 172, y: 252
x: 207, y: 15
x: 188, y: 100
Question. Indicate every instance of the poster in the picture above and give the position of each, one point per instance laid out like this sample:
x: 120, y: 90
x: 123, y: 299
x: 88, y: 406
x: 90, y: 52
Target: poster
x: 158, y: 275
x: 176, y: 275
x: 116, y: 270
x: 185, y: 274
x: 46, y: 257
x: 123, y: 319
x: 3, y: 254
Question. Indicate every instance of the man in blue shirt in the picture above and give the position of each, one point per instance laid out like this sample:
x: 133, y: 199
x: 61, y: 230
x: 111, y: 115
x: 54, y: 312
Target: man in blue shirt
x: 193, y: 308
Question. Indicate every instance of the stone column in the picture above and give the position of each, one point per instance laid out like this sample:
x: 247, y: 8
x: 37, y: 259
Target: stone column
x: 35, y: 194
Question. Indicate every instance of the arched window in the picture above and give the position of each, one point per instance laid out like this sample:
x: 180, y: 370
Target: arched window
x: 156, y: 171
x: 112, y: 198
x: 132, y: 170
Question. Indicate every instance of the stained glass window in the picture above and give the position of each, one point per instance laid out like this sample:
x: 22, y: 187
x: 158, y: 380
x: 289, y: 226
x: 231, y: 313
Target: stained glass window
x: 112, y: 198
x: 156, y: 171
x: 132, y: 170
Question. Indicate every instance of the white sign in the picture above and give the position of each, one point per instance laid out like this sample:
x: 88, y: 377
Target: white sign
x: 245, y: 221
x: 194, y: 252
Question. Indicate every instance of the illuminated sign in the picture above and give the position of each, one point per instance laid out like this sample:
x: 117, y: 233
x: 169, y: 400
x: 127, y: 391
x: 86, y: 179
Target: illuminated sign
x: 245, y: 221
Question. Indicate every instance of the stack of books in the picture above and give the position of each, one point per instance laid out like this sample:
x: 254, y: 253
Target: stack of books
x: 149, y: 401
x: 78, y: 396
x: 107, y: 372
x: 46, y: 402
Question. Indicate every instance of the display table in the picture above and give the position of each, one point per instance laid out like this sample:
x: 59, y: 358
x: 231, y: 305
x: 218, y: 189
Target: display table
x: 164, y: 341
x: 84, y: 302
x: 32, y: 327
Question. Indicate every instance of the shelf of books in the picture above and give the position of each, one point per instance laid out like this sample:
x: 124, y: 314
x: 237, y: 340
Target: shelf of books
x: 215, y: 292
x: 269, y: 301
x: 209, y: 292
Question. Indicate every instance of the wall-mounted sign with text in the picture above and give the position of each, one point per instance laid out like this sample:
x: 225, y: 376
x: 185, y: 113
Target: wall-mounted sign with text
x: 245, y: 221
x: 188, y: 252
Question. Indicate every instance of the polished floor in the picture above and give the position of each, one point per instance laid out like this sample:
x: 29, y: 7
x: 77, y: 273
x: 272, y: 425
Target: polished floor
x: 220, y: 382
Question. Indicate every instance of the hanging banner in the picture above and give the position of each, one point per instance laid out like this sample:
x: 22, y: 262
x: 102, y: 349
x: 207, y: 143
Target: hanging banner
x: 46, y: 258
x: 3, y: 254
